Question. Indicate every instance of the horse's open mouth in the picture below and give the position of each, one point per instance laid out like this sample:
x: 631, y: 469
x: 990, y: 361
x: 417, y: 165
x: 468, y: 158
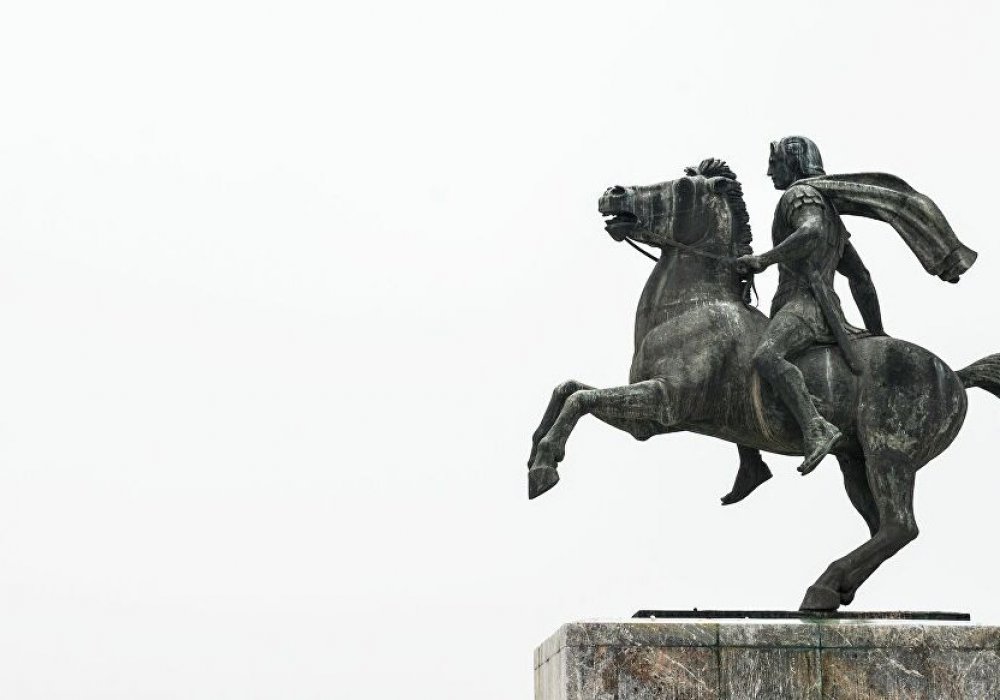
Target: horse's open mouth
x: 620, y: 224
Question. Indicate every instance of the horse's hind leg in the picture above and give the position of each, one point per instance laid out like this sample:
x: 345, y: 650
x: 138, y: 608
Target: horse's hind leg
x: 856, y: 484
x: 640, y: 409
x: 891, y: 477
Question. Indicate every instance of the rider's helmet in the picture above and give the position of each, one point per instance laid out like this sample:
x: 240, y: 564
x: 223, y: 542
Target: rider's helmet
x: 801, y: 154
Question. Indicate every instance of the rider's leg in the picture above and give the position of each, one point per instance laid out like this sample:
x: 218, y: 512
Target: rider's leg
x: 786, y: 335
x: 753, y: 472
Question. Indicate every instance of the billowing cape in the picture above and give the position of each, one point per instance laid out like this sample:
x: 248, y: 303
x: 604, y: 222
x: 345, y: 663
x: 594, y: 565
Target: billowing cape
x: 915, y: 217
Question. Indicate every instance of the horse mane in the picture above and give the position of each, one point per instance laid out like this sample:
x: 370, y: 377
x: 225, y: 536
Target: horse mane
x: 713, y: 167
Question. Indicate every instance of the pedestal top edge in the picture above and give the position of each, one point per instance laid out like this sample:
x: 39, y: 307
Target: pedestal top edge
x: 696, y: 614
x: 819, y: 634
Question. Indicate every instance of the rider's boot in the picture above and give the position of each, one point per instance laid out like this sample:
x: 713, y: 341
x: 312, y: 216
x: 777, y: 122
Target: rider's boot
x: 819, y: 435
x: 819, y: 438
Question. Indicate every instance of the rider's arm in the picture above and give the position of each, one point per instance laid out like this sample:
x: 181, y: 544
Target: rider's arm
x: 862, y: 288
x: 808, y: 223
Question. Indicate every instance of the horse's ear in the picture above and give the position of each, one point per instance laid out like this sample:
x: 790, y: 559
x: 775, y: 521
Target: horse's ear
x: 720, y: 184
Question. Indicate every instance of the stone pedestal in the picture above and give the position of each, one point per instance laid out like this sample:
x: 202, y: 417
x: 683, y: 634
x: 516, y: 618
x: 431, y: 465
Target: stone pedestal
x: 828, y: 660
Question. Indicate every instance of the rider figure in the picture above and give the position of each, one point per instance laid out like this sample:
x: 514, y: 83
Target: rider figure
x: 810, y: 244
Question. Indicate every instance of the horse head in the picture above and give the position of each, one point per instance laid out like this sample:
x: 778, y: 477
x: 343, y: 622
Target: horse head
x: 703, y: 210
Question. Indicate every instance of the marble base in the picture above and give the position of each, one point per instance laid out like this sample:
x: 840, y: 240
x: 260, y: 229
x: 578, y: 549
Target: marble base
x: 821, y: 660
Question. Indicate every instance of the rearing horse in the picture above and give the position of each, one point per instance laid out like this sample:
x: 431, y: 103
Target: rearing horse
x: 694, y: 339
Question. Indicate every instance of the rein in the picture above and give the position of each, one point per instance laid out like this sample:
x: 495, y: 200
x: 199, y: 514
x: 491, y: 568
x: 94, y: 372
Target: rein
x: 685, y: 248
x: 694, y: 251
x: 642, y: 250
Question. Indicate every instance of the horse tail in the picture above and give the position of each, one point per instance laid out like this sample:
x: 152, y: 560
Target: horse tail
x: 984, y: 373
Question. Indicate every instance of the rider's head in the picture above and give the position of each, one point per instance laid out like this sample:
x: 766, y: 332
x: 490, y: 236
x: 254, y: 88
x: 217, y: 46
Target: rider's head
x: 793, y: 158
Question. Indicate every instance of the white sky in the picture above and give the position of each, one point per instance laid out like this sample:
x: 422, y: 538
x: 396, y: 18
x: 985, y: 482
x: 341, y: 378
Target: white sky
x: 284, y: 288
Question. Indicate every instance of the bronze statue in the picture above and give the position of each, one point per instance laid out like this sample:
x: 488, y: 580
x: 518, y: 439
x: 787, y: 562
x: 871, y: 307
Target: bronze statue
x: 800, y: 383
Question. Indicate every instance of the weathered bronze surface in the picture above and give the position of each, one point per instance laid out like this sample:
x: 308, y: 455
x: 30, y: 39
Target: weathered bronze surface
x: 802, y: 382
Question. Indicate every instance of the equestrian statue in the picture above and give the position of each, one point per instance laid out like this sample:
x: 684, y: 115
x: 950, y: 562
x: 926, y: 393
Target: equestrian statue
x: 800, y: 382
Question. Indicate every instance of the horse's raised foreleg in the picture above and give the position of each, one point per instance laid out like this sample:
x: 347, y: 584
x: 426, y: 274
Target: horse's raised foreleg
x: 559, y: 396
x: 639, y: 429
x: 640, y: 409
x: 891, y: 478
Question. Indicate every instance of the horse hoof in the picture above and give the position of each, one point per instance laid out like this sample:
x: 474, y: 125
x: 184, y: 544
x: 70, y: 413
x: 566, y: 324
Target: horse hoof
x: 540, y: 480
x: 820, y: 599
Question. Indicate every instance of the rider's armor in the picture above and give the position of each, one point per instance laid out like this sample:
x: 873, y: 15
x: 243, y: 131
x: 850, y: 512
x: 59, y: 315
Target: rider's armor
x: 794, y: 293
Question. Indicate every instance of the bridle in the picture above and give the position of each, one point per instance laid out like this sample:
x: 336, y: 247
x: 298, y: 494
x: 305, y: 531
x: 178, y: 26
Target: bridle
x: 693, y: 251
x: 641, y: 250
x: 681, y: 246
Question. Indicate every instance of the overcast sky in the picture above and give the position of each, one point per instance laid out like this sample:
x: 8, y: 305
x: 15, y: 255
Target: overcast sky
x: 284, y: 289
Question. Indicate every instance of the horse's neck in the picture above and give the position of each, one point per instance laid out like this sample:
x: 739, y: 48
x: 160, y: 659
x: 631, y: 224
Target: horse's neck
x: 681, y: 279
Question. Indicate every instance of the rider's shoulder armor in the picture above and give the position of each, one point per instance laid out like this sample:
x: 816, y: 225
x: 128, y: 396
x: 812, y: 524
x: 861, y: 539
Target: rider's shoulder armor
x: 793, y: 200
x: 801, y: 195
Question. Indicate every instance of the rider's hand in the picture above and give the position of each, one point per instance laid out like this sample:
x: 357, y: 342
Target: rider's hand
x: 747, y: 264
